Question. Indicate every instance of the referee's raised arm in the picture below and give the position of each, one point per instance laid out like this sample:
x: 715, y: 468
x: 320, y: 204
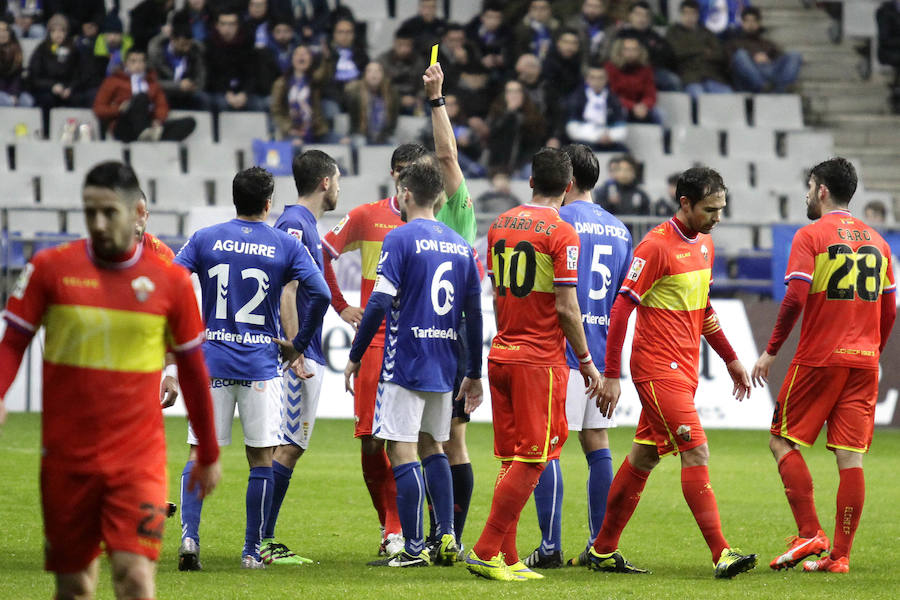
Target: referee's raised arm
x: 444, y: 140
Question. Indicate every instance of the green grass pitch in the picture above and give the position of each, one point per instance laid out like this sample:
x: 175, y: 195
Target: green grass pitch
x: 328, y: 516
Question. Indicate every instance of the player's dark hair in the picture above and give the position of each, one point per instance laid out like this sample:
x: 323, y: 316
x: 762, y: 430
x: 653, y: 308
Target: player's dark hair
x: 551, y: 171
x: 405, y: 154
x: 423, y: 178
x: 689, y: 4
x: 310, y: 168
x: 116, y: 176
x: 453, y: 27
x: 251, y: 189
x: 641, y: 4
x: 751, y: 11
x: 697, y: 183
x: 585, y: 167
x: 839, y: 176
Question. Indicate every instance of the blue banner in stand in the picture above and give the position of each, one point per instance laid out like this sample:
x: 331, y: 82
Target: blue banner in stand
x: 783, y: 235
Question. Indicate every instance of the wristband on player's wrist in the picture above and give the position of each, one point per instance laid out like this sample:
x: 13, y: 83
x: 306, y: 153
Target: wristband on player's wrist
x: 171, y: 371
x: 435, y: 102
x: 585, y: 358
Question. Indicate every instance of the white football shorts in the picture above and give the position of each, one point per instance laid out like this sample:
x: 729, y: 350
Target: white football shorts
x: 301, y: 401
x: 259, y: 407
x: 400, y: 414
x: 581, y: 411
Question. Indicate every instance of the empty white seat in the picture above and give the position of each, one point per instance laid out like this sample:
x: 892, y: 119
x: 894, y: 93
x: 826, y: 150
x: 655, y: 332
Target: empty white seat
x: 40, y: 157
x: 721, y: 111
x: 750, y: 205
x: 695, y: 143
x: 61, y: 189
x: 199, y: 217
x: 658, y: 169
x: 811, y: 146
x: 356, y: 191
x: 369, y: 9
x: 212, y: 159
x: 675, y: 108
x: 735, y: 172
x: 341, y: 153
x: 380, y: 35
x: 780, y: 175
x: 60, y: 115
x: 409, y: 128
x: 730, y: 239
x: 87, y: 154
x: 462, y: 11
x: 242, y: 127
x: 751, y: 143
x: 176, y: 192
x: 155, y: 158
x: 374, y: 161
x: 644, y: 140
x: 522, y: 190
x: 166, y: 224
x: 28, y: 221
x: 777, y: 111
x: 221, y: 190
x: 13, y: 116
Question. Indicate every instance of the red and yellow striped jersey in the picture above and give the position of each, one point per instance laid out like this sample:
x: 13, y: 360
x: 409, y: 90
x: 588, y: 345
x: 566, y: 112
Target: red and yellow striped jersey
x: 848, y: 266
x: 155, y: 245
x: 364, y: 228
x: 107, y: 329
x: 530, y: 250
x: 669, y: 280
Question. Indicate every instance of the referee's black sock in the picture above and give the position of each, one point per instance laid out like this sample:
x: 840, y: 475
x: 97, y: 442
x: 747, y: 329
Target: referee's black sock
x: 463, y: 482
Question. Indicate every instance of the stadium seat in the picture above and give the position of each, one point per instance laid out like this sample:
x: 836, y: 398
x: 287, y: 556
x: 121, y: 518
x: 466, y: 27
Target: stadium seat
x: 374, y: 161
x: 777, y: 111
x: 221, y: 190
x: 735, y: 172
x: 286, y: 192
x: 46, y: 240
x: 75, y: 224
x: 203, y: 132
x: 409, y: 129
x: 811, y: 146
x: 522, y: 190
x: 365, y: 10
x: 40, y: 157
x: 155, y: 158
x: 380, y: 35
x: 748, y: 205
x: 477, y: 187
x: 694, y: 143
x: 721, y: 111
x: 176, y: 192
x: 341, y: 124
x: 165, y: 223
x: 59, y: 116
x: 61, y: 190
x: 409, y: 8
x: 211, y: 159
x: 751, y: 143
x: 87, y: 154
x: 19, y: 189
x: 730, y: 239
x: 644, y: 141
x: 795, y: 208
x: 11, y: 117
x: 359, y: 190
x: 463, y: 11
x: 28, y: 221
x: 198, y: 217
x: 657, y: 170
x: 241, y: 127
x: 341, y: 153
x: 779, y: 174
x: 675, y: 108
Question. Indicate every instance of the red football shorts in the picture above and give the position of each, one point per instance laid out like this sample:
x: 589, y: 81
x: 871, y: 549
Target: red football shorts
x: 365, y: 389
x: 668, y: 416
x: 529, y: 411
x: 844, y: 397
x: 124, y: 511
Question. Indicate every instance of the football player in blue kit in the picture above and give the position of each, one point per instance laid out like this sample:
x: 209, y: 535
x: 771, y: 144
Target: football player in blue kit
x: 243, y: 264
x: 602, y: 264
x: 426, y: 279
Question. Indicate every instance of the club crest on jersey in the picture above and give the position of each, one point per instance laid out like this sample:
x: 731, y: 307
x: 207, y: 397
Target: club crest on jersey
x: 684, y: 432
x: 246, y: 229
x: 142, y: 287
x: 637, y: 266
x: 705, y: 252
x: 297, y: 233
x: 572, y: 257
x: 337, y: 228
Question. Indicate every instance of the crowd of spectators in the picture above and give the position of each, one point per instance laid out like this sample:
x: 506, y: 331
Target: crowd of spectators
x: 521, y: 74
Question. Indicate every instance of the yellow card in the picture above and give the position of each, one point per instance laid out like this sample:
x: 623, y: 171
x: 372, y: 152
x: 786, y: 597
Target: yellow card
x: 434, y: 51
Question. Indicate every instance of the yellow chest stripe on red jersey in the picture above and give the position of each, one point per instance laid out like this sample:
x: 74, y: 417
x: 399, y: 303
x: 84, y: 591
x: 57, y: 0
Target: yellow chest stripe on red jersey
x: 370, y: 254
x: 103, y: 338
x: 683, y: 291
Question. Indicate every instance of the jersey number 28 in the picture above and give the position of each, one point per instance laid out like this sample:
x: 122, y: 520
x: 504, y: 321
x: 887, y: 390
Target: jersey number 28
x: 868, y: 278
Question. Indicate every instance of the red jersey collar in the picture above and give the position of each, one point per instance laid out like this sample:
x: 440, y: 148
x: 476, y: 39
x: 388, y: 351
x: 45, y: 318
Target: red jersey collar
x: 839, y: 211
x: 127, y: 259
x: 680, y: 227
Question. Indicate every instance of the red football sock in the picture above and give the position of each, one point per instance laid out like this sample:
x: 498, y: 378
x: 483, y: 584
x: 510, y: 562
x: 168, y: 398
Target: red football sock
x: 514, y: 486
x: 389, y: 502
x: 376, y: 469
x: 624, y: 495
x: 798, y: 487
x: 508, y: 547
x: 702, y: 501
x: 850, y: 497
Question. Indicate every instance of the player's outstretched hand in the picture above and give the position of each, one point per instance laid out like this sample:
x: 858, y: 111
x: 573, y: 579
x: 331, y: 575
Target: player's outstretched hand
x: 205, y: 478
x: 288, y: 352
x: 609, y: 396
x: 593, y: 380
x: 350, y: 370
x: 740, y: 378
x: 168, y: 393
x: 473, y: 392
x: 353, y: 316
x: 298, y: 366
x: 434, y: 79
x: 760, y: 373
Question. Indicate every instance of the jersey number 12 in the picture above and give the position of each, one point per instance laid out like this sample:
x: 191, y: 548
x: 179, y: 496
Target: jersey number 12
x: 245, y: 313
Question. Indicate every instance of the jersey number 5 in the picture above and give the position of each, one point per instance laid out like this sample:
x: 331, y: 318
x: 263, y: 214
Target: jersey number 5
x: 245, y: 313
x: 508, y: 275
x: 868, y: 278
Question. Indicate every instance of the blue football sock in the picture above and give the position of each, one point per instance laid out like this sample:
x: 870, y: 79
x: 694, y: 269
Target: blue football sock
x: 410, y: 495
x: 548, y: 497
x: 282, y: 476
x: 191, y: 506
x: 463, y: 483
x: 259, y: 502
x: 600, y: 476
x: 439, y: 484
